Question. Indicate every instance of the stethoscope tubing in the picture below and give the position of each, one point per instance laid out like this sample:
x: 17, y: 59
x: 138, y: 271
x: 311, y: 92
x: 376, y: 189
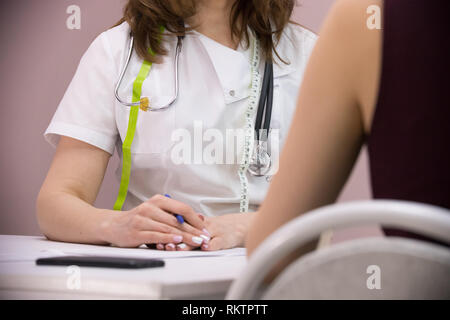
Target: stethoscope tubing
x: 176, y: 79
x: 265, y: 104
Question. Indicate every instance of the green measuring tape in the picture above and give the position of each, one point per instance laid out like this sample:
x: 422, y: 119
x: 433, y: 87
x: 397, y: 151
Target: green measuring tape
x: 126, y: 146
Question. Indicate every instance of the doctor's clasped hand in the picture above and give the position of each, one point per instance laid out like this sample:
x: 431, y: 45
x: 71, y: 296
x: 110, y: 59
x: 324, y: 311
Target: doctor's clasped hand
x: 225, y: 232
x: 152, y: 223
x: 228, y: 231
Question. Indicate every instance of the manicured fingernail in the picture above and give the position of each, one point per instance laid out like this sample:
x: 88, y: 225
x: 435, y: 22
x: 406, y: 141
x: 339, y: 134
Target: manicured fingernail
x: 206, y: 232
x: 205, y: 246
x: 171, y: 245
x: 197, y: 240
x: 177, y: 239
x: 181, y: 246
x: 159, y: 246
x: 206, y: 238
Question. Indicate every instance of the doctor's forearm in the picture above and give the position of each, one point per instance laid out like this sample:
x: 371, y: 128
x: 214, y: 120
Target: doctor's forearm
x: 64, y: 217
x: 64, y: 206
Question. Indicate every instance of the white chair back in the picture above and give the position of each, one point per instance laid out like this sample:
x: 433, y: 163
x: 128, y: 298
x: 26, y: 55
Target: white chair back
x: 423, y: 219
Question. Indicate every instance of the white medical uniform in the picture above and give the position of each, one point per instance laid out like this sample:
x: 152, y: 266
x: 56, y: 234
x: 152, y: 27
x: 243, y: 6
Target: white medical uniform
x: 214, y: 90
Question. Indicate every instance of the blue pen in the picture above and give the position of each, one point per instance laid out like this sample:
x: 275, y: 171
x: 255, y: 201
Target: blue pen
x: 179, y: 218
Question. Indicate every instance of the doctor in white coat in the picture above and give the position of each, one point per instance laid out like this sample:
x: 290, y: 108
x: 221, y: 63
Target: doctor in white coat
x: 195, y: 149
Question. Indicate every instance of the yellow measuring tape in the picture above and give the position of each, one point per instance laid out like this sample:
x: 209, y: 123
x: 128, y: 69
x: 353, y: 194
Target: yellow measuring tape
x: 126, y: 146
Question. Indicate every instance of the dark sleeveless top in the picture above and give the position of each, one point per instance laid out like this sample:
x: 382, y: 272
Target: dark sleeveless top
x: 409, y: 143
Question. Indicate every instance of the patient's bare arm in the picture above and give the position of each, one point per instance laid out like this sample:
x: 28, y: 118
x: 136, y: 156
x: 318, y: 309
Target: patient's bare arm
x: 335, y: 106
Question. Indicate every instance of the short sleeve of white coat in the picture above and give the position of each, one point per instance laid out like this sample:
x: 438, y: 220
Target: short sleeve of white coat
x: 86, y: 112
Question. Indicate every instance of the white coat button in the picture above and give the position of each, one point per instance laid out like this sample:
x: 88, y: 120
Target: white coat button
x: 232, y: 93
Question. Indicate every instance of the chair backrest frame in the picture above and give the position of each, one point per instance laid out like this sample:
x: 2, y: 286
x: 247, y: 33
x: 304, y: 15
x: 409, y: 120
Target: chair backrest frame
x: 421, y: 218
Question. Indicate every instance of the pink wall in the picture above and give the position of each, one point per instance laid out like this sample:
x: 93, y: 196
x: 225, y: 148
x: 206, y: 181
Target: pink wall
x: 37, y: 60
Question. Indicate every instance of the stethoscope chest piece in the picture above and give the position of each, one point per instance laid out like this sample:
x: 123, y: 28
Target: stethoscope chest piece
x: 260, y: 162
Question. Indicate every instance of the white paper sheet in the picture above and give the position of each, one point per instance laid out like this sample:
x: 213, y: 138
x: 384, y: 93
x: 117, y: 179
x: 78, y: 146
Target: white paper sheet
x: 46, y: 248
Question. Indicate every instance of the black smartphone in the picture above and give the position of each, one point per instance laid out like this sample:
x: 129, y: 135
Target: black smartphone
x: 101, y: 262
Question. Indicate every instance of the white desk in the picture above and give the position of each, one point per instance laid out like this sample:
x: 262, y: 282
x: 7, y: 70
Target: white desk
x: 196, y: 275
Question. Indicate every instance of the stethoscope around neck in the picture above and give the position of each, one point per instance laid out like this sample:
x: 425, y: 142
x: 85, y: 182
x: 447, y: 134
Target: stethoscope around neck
x: 260, y: 161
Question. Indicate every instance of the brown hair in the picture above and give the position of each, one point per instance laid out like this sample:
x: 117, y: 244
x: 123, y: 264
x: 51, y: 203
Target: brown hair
x: 267, y: 19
